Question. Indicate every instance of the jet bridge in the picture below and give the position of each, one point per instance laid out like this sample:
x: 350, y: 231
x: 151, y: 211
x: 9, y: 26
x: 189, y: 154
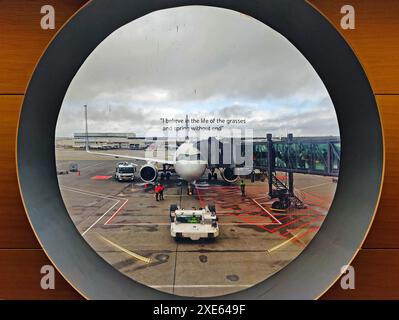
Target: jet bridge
x: 316, y: 156
x: 305, y: 155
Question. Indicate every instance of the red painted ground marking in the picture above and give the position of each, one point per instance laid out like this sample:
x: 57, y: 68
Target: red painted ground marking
x: 303, y: 216
x: 307, y: 232
x: 283, y: 218
x: 101, y: 177
x: 214, y: 187
x: 244, y: 213
x: 264, y: 209
x: 303, y: 213
x: 281, y: 177
x: 282, y: 225
x: 314, y: 198
x: 288, y: 223
x: 233, y: 214
x: 256, y: 215
x: 248, y: 214
x: 117, y: 211
x: 239, y: 213
x: 199, y: 197
x: 249, y: 217
x: 297, y: 242
x: 301, y: 226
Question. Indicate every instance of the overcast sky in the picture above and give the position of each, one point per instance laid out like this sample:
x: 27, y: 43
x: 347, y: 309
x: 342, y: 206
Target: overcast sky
x: 200, y: 61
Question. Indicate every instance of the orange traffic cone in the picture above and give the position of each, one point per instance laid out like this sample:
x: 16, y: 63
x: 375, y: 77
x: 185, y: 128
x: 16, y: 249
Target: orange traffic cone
x: 78, y: 173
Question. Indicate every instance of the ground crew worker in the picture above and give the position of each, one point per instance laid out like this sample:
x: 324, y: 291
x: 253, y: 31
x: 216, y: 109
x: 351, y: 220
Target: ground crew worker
x: 242, y: 187
x: 161, y: 189
x: 157, y: 191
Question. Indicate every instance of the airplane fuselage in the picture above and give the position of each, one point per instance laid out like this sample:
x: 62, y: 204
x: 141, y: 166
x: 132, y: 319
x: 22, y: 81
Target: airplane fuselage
x: 189, y: 164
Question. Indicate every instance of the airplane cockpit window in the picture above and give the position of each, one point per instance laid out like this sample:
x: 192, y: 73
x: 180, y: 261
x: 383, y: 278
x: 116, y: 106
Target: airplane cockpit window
x: 181, y: 157
x: 196, y: 156
x: 190, y: 157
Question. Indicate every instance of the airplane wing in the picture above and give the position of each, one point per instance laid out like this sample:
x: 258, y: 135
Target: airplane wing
x: 154, y: 160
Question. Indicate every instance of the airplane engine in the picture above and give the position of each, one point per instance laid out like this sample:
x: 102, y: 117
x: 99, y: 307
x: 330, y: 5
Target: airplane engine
x: 148, y: 173
x: 229, y: 175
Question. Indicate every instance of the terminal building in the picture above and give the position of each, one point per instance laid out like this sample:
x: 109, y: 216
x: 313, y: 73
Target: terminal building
x: 111, y: 141
x: 104, y: 141
x: 315, y: 155
x: 262, y: 155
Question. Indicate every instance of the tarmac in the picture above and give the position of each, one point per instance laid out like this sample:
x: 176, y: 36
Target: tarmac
x: 124, y: 224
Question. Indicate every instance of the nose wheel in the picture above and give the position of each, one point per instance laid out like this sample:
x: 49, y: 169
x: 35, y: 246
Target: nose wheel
x: 189, y: 190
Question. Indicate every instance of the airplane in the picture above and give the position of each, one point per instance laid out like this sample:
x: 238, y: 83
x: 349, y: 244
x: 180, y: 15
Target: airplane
x: 188, y: 163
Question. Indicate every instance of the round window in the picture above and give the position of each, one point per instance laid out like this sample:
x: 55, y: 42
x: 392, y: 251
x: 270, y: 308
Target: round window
x: 197, y: 151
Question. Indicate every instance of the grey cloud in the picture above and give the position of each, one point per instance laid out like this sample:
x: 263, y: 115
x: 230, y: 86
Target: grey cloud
x: 173, y: 58
x: 235, y: 111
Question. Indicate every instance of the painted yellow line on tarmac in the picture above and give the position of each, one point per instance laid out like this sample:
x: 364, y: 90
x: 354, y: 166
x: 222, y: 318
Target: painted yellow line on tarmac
x: 283, y: 244
x: 278, y: 210
x: 130, y: 253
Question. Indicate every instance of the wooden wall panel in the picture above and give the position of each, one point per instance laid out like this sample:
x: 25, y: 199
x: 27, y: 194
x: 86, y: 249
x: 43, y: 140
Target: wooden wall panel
x: 20, y: 277
x: 376, y: 277
x: 22, y: 39
x: 385, y: 230
x: 375, y: 41
x: 15, y: 229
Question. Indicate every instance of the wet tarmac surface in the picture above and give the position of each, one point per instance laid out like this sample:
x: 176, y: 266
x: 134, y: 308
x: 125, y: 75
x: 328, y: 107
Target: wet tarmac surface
x: 124, y: 224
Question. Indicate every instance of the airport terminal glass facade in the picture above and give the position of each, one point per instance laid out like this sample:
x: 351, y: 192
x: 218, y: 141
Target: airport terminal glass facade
x: 197, y: 151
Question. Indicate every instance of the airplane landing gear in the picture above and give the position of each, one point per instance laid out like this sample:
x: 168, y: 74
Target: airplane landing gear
x: 212, y: 175
x: 165, y: 173
x: 189, y: 189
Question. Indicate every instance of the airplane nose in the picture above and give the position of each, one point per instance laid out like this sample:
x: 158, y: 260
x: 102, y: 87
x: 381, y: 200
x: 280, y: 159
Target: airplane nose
x: 191, y: 172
